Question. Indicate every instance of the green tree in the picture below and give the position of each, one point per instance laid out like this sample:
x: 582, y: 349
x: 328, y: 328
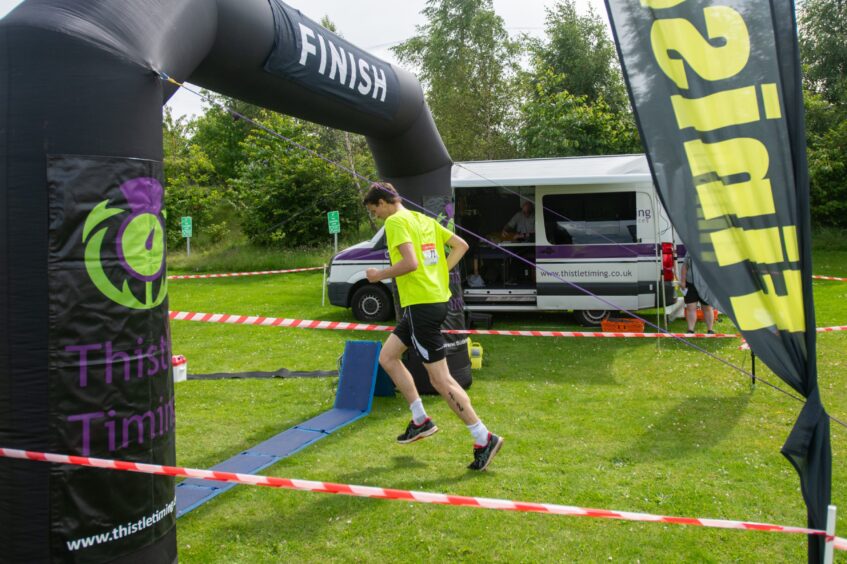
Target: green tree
x: 827, y: 156
x: 574, y: 99
x: 466, y: 62
x: 579, y: 50
x: 828, y: 173
x: 189, y: 187
x: 287, y: 191
x: 823, y: 48
x: 557, y: 123
x: 823, y: 51
x: 220, y: 133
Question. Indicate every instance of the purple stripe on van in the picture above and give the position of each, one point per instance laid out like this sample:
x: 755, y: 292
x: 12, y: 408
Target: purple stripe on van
x: 543, y: 252
x: 371, y: 255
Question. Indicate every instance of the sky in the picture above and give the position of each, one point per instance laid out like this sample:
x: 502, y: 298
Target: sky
x: 378, y: 25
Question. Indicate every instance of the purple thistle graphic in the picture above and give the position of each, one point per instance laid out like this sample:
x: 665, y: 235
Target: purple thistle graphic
x: 144, y: 196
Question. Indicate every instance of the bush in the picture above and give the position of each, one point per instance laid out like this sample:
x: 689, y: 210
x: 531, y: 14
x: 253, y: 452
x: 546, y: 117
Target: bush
x: 198, y: 202
x: 828, y: 176
x: 286, y: 192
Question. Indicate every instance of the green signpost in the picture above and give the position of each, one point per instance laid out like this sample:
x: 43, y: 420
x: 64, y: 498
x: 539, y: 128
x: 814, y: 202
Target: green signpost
x: 334, y: 222
x: 187, y: 230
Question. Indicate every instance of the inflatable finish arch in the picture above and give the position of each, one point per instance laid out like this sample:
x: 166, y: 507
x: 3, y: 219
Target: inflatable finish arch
x: 84, y: 335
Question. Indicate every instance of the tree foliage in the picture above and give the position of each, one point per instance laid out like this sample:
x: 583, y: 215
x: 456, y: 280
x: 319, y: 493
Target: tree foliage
x: 466, y: 61
x: 827, y: 156
x: 823, y: 52
x: 286, y: 192
x: 220, y: 133
x: 578, y: 50
x: 189, y: 186
x: 574, y: 99
x: 823, y: 47
x: 557, y: 123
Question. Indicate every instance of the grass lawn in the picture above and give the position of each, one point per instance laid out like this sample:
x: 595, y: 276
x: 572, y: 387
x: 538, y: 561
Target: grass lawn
x: 630, y: 425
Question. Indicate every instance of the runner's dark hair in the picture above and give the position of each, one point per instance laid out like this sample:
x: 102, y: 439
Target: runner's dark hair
x: 381, y: 191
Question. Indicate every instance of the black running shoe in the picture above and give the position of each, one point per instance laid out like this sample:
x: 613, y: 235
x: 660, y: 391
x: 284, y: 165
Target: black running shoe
x: 417, y: 432
x: 482, y: 456
x: 710, y: 332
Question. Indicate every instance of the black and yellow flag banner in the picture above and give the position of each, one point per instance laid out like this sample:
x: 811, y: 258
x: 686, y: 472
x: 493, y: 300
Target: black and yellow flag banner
x: 716, y: 91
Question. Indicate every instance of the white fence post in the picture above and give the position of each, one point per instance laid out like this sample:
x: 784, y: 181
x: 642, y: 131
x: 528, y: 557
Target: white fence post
x: 829, y: 547
x: 323, y: 288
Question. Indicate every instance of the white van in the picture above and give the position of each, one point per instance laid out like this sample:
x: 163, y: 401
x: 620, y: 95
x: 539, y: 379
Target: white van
x: 602, y: 241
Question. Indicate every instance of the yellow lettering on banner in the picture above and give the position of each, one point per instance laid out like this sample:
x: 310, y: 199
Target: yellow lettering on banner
x: 729, y: 158
x: 770, y: 97
x: 789, y: 235
x: 735, y: 245
x: 679, y: 37
x: 660, y: 4
x: 721, y: 109
x: 760, y: 310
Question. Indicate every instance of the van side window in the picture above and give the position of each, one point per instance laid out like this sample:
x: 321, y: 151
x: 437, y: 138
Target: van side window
x: 590, y: 219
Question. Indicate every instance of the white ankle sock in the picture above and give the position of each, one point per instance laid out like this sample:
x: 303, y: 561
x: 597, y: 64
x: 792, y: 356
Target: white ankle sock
x: 418, y: 411
x: 479, y: 432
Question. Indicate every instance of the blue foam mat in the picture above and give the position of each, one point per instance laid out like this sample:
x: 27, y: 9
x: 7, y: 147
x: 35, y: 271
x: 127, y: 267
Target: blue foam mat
x: 287, y: 443
x: 191, y: 496
x: 353, y: 400
x: 359, y: 366
x: 329, y: 421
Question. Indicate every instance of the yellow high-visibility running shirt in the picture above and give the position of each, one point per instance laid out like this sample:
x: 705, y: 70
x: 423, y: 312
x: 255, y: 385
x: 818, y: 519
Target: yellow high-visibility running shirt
x: 430, y: 283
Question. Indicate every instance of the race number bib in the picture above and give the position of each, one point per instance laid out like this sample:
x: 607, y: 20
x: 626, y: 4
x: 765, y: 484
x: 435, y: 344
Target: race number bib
x: 430, y: 254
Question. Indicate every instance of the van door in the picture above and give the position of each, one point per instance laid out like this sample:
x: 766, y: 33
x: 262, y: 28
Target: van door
x: 649, y: 247
x: 587, y: 247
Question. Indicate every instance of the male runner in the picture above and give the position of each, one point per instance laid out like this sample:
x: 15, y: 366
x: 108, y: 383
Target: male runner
x: 420, y: 269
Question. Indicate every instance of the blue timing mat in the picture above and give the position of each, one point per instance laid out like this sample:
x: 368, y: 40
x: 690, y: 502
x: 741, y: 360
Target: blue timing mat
x: 360, y: 375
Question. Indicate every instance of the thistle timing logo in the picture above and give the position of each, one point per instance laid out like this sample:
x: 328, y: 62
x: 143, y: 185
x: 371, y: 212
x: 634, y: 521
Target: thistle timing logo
x: 139, y: 245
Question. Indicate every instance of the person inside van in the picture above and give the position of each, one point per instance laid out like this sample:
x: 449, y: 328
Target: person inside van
x: 420, y: 268
x: 522, y: 225
x: 521, y: 229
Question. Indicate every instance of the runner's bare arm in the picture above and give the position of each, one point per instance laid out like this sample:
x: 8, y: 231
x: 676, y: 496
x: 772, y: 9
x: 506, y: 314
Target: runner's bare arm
x: 458, y: 248
x: 409, y: 263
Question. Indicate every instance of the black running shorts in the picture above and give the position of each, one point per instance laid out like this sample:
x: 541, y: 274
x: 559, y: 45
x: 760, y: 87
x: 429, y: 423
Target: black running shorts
x: 420, y: 329
x: 691, y: 295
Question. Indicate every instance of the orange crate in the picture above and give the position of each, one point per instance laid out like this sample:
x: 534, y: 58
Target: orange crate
x: 622, y: 325
x: 700, y: 313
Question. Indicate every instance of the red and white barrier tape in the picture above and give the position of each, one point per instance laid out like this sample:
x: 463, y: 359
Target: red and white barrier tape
x: 817, y: 277
x: 407, y: 495
x: 345, y: 326
x: 745, y: 346
x: 595, y: 334
x: 234, y: 274
x: 275, y: 321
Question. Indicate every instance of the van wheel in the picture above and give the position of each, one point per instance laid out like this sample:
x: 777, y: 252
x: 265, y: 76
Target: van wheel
x: 372, y: 303
x: 591, y: 317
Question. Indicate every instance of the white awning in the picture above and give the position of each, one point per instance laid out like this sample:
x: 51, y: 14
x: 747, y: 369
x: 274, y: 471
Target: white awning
x: 552, y: 172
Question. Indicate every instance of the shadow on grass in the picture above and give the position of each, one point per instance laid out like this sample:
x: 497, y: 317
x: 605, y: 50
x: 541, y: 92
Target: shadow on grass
x: 692, y: 425
x: 311, y: 519
x: 547, y: 360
